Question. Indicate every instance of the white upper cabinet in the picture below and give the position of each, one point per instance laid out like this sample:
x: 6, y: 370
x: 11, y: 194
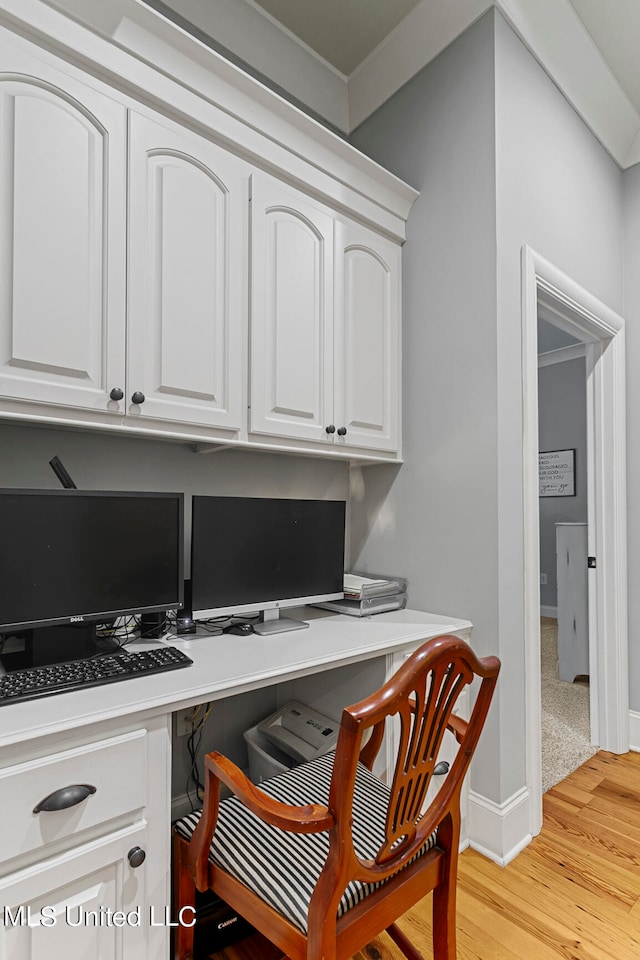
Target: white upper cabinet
x: 367, y: 338
x: 186, y: 252
x: 182, y: 254
x: 62, y: 236
x: 325, y: 324
x: 291, y: 313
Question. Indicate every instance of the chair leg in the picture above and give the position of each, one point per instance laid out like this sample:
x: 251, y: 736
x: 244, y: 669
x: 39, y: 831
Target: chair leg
x: 405, y: 945
x: 444, y: 895
x: 184, y: 895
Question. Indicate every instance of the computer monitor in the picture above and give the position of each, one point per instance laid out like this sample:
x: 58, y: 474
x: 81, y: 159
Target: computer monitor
x: 72, y: 557
x: 253, y: 554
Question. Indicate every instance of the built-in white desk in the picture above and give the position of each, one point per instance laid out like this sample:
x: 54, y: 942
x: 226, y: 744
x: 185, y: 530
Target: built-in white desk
x: 117, y: 738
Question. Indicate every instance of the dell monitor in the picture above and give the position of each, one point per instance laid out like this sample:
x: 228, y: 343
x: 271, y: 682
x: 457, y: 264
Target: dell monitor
x: 71, y: 557
x: 254, y: 554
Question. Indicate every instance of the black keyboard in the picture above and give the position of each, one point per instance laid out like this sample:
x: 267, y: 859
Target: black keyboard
x: 75, y: 674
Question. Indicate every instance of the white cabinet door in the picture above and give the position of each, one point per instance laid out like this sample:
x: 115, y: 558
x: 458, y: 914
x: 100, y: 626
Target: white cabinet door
x: 367, y: 338
x: 573, y: 600
x: 186, y: 253
x: 62, y: 235
x: 291, y: 313
x: 86, y: 903
x: 325, y: 324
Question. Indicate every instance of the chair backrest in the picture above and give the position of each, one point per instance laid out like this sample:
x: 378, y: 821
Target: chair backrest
x: 423, y: 695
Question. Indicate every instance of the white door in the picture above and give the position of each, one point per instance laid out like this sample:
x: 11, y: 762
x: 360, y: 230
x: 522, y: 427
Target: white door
x: 291, y: 313
x: 367, y: 338
x: 187, y: 205
x: 62, y: 236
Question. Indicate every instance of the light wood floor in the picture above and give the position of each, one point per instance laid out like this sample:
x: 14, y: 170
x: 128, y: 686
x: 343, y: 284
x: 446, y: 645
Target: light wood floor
x: 572, y: 894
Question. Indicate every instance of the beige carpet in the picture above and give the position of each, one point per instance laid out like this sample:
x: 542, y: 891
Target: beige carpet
x: 565, y: 714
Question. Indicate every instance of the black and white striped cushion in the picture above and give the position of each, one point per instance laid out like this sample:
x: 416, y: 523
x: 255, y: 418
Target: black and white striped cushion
x: 282, y: 868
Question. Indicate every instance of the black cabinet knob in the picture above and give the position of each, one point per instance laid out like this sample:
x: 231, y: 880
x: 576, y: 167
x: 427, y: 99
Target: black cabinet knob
x: 116, y: 394
x: 138, y: 397
x: 342, y: 431
x: 136, y: 856
x: 331, y: 428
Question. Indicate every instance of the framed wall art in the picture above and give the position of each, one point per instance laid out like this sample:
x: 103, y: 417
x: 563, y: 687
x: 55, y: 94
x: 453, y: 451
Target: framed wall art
x: 557, y: 473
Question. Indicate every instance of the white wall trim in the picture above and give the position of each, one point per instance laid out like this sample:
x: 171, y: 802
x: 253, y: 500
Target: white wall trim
x: 499, y: 830
x: 574, y: 352
x: 560, y: 42
x: 416, y: 41
x: 549, y: 612
x: 634, y: 731
x: 590, y: 319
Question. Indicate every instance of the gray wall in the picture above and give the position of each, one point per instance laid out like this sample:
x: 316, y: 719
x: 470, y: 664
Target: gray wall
x: 632, y: 317
x: 436, y: 519
x: 502, y: 160
x: 562, y: 425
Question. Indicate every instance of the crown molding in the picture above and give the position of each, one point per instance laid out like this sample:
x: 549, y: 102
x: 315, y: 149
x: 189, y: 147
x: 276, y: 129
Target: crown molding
x: 550, y: 29
x: 416, y: 41
x: 245, y: 31
x: 558, y: 39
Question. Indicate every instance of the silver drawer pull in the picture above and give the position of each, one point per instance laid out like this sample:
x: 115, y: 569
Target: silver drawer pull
x: 65, y: 797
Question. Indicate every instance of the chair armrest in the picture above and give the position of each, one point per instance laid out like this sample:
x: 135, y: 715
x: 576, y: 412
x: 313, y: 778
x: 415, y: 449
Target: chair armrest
x: 457, y: 726
x: 311, y: 818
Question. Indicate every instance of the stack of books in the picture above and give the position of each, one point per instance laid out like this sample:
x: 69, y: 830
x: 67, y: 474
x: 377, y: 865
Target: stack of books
x: 366, y: 594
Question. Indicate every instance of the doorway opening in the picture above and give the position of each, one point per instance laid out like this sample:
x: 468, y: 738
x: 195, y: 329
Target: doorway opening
x: 566, y: 736
x: 601, y: 330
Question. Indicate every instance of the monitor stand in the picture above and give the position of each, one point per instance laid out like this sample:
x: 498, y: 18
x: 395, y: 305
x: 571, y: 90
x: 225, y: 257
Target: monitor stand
x: 271, y: 622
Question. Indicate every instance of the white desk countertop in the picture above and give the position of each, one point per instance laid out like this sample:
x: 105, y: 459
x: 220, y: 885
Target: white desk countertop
x: 226, y: 665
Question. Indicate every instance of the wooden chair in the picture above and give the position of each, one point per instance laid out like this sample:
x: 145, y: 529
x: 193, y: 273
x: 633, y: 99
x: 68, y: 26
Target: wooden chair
x: 324, y: 857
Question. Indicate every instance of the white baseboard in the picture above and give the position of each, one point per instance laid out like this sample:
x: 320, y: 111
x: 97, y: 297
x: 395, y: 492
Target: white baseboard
x: 499, y: 830
x: 549, y: 612
x: 634, y: 731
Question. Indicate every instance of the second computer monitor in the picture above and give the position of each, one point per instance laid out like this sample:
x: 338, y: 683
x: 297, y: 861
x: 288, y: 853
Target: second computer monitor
x: 253, y: 554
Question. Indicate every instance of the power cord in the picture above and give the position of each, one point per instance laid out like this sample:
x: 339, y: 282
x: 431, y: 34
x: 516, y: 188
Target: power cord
x: 198, y: 717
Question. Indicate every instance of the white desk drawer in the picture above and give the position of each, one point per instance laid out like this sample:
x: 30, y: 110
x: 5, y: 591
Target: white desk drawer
x: 116, y: 767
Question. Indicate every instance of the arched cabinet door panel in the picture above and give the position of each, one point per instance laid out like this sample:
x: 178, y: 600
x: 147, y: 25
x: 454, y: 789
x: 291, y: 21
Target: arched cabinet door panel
x: 62, y: 236
x: 186, y: 249
x: 367, y: 337
x: 291, y: 313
